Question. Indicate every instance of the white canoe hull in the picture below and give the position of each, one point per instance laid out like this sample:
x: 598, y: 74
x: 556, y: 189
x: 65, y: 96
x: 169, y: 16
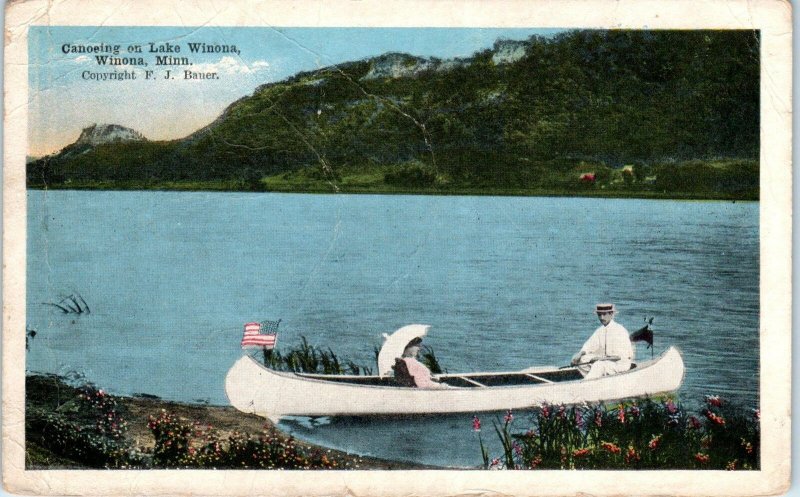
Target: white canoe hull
x: 254, y: 389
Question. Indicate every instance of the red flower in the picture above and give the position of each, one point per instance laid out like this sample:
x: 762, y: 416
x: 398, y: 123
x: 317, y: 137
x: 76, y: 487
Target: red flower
x: 476, y: 423
x: 581, y: 452
x: 598, y: 418
x: 701, y: 458
x: 653, y: 445
x: 613, y: 448
x: 631, y: 455
x: 731, y: 466
x: 694, y: 423
x: 717, y: 420
x: 714, y: 400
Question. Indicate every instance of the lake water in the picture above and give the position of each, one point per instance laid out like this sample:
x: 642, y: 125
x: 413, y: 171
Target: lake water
x: 505, y: 283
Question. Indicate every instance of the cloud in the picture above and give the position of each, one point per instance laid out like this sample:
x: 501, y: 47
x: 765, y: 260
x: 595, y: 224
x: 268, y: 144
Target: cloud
x: 232, y: 65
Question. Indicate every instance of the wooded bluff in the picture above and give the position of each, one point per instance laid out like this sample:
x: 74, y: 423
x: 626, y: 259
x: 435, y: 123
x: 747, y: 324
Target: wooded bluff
x: 680, y: 109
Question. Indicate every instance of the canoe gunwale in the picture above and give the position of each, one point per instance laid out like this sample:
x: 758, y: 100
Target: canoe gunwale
x: 323, y: 378
x: 255, y: 389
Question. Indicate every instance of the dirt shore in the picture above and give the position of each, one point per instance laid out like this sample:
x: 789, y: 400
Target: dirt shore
x: 51, y: 394
x: 225, y: 421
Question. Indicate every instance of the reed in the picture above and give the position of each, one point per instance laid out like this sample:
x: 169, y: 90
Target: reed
x: 307, y: 358
x: 647, y: 434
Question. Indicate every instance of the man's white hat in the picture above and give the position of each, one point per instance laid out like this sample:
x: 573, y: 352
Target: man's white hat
x: 603, y: 308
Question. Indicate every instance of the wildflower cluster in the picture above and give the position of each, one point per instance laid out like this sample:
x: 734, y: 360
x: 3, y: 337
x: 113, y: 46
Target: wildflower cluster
x: 649, y: 434
x: 172, y: 440
x: 109, y: 421
x: 88, y: 426
x: 182, y: 445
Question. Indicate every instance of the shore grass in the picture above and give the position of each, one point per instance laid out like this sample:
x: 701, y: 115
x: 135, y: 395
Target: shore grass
x: 692, y: 182
x: 322, y: 187
x: 643, y: 434
x: 69, y: 427
x: 82, y: 427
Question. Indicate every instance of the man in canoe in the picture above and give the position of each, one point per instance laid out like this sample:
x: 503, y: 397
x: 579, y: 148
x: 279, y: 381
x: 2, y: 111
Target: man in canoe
x: 409, y: 370
x: 608, y: 351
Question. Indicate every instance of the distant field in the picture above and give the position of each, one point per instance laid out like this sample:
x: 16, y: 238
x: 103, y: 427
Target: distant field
x: 694, y: 180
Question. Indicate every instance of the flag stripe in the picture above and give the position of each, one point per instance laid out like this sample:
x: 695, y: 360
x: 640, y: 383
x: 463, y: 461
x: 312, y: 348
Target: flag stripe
x: 260, y: 334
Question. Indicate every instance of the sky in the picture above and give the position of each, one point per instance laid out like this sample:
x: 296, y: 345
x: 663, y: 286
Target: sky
x: 62, y: 101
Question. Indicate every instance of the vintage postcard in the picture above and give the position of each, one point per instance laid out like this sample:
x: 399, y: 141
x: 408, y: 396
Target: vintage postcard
x: 388, y: 249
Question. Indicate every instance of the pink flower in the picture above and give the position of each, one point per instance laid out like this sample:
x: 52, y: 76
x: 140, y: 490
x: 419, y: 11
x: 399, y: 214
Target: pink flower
x: 545, y: 411
x: 757, y: 414
x: 671, y: 407
x: 578, y: 419
x: 694, y: 423
x: 508, y: 418
x: 621, y: 414
x: 476, y: 423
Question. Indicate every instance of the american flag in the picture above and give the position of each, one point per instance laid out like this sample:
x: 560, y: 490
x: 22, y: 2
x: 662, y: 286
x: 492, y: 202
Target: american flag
x: 263, y: 334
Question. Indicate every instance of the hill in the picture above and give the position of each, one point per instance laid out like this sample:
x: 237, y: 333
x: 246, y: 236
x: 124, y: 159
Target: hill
x: 522, y: 116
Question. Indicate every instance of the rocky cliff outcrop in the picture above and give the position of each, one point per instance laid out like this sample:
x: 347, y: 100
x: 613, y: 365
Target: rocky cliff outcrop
x: 508, y: 51
x: 98, y: 134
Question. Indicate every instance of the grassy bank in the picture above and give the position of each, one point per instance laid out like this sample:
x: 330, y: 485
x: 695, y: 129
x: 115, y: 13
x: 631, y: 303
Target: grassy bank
x: 692, y: 180
x: 322, y: 187
x: 69, y: 427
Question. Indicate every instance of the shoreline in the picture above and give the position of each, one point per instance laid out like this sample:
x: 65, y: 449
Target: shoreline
x: 138, y: 409
x: 226, y: 187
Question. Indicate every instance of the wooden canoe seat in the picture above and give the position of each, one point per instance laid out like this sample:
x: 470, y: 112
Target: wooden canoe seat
x: 401, y: 374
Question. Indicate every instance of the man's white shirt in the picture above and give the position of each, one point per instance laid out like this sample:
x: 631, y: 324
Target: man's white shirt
x: 610, y: 340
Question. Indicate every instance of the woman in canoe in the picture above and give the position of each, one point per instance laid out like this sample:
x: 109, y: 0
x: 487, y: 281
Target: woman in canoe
x: 411, y: 372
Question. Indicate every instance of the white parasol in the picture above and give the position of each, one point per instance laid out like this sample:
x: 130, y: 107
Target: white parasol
x: 395, y: 344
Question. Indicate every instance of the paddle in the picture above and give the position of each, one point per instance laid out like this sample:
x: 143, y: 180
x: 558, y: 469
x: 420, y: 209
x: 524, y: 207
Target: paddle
x: 644, y: 334
x: 592, y: 361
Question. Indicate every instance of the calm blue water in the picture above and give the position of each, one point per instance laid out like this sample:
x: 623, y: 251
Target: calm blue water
x: 505, y: 282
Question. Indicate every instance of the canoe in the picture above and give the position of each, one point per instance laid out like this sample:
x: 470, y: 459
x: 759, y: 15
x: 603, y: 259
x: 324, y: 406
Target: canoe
x: 255, y: 389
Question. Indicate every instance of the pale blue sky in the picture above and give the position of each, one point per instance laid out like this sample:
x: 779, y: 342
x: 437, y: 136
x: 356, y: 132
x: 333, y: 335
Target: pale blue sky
x: 62, y: 102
